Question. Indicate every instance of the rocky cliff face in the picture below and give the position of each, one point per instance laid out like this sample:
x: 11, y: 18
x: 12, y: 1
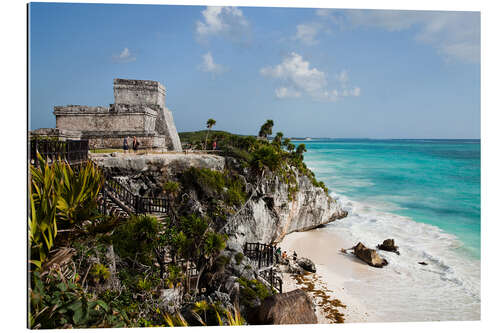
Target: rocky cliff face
x: 270, y: 214
x: 170, y: 163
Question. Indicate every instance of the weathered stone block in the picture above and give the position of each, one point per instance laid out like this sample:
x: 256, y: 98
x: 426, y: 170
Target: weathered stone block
x: 139, y: 110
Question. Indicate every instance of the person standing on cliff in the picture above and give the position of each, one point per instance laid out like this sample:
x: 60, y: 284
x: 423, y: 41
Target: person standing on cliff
x: 125, y: 144
x: 214, y: 145
x: 135, y: 145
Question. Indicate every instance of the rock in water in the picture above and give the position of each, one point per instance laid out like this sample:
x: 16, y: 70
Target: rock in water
x: 369, y: 256
x: 307, y: 264
x: 388, y: 245
x: 294, y: 307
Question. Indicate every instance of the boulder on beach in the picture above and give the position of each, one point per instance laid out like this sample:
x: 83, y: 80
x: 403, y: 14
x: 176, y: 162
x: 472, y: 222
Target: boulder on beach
x: 388, y: 245
x: 369, y: 256
x: 307, y: 264
x: 293, y: 267
x: 294, y: 307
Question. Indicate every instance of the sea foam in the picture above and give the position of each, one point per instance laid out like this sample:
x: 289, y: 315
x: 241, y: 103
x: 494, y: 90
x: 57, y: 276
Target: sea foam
x: 447, y: 288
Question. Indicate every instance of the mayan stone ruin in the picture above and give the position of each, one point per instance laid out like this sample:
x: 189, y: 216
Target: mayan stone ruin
x: 139, y: 110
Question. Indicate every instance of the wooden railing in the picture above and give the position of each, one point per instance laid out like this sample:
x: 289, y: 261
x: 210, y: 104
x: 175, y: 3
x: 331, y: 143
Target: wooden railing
x: 137, y: 204
x: 263, y: 254
x: 270, y: 276
x: 71, y: 151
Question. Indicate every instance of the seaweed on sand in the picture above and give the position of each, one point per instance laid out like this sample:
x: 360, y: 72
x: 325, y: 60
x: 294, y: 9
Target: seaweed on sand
x: 308, y: 282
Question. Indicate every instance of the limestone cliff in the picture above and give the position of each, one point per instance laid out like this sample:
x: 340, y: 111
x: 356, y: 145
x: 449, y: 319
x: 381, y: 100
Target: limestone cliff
x: 271, y: 209
x: 270, y: 214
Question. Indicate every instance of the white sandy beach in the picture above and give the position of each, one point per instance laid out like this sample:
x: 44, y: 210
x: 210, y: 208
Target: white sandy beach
x: 323, y: 249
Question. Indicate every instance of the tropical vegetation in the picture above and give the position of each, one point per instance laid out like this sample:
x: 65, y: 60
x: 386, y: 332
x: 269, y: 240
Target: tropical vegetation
x: 87, y: 269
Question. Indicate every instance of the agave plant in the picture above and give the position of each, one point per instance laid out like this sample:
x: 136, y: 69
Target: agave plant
x: 233, y: 319
x: 42, y: 223
x: 79, y: 190
x: 176, y: 320
x: 59, y: 196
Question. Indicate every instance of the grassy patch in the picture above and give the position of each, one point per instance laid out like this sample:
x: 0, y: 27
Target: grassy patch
x: 251, y: 291
x: 216, y: 184
x: 105, y: 150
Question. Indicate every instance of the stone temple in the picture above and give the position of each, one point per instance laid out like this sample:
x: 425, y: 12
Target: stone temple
x: 139, y: 110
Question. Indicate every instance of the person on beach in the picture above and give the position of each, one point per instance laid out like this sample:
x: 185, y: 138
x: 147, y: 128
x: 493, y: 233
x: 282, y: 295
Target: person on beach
x: 284, y: 258
x: 135, y: 145
x: 125, y: 145
x: 278, y: 254
x: 294, y: 257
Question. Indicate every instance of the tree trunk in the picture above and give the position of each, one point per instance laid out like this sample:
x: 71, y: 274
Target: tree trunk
x: 199, y: 276
x: 206, y: 138
x: 160, y: 258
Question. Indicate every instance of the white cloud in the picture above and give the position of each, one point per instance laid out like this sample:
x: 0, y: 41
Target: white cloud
x: 306, y: 33
x: 124, y: 56
x: 208, y: 64
x: 342, y: 77
x: 284, y: 92
x: 297, y: 77
x: 455, y: 35
x: 221, y: 20
x: 356, y: 91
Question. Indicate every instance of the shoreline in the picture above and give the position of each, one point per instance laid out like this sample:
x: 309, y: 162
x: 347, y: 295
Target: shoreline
x: 327, y: 281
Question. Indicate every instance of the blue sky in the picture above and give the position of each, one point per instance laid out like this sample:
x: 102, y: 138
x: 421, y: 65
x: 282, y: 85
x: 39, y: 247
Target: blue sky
x: 318, y: 73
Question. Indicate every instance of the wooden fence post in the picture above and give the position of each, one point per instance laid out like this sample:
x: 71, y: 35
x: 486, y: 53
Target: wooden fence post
x: 259, y: 254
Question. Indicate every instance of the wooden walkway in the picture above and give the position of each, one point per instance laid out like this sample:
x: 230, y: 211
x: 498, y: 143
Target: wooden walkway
x: 265, y: 257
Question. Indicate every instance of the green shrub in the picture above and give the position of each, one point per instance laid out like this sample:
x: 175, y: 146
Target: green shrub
x: 266, y: 156
x: 42, y: 223
x: 79, y: 191
x: 59, y: 303
x: 171, y: 188
x: 238, y: 257
x: 99, y: 273
x: 174, y: 276
x: 137, y: 237
x: 221, y: 262
x: 251, y: 291
x: 215, y: 184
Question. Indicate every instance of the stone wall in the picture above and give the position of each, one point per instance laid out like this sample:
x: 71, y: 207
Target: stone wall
x: 157, y: 164
x: 165, y: 125
x: 153, y: 141
x: 139, y: 110
x: 137, y: 118
x: 139, y: 92
x: 56, y: 133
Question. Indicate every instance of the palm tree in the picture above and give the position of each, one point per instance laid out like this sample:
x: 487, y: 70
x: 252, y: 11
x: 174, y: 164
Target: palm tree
x: 301, y: 149
x: 171, y: 189
x: 266, y: 129
x: 277, y: 139
x: 210, y: 122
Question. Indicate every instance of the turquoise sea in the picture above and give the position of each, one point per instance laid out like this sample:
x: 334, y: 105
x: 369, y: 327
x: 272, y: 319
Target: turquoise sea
x: 426, y: 194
